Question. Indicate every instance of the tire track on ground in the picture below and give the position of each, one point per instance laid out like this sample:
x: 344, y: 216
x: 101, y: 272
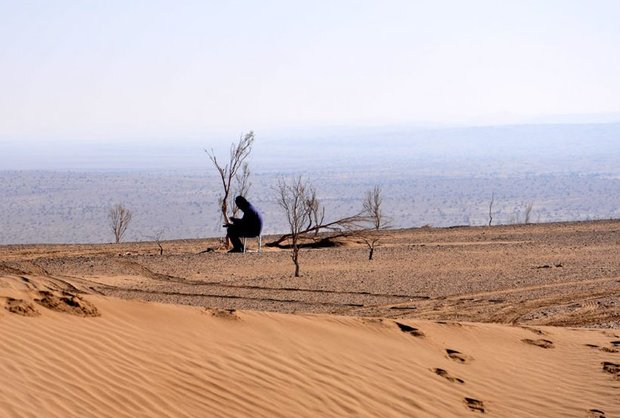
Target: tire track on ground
x: 486, y: 299
x: 218, y: 296
x: 148, y: 273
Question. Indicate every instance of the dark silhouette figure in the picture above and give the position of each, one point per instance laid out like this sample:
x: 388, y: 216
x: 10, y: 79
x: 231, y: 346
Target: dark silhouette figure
x: 250, y: 225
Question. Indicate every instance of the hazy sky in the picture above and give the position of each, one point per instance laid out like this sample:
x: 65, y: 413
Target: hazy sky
x: 124, y: 69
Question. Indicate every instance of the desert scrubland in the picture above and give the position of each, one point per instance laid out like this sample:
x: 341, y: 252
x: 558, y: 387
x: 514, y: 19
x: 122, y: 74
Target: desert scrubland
x: 60, y: 193
x: 72, y: 207
x: 503, y: 321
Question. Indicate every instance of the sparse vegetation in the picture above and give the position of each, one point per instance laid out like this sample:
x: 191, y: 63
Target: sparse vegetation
x: 230, y: 176
x: 157, y: 237
x: 119, y: 217
x: 491, y: 208
x: 528, y: 212
x: 374, y: 215
x: 319, y: 233
x: 294, y: 198
x: 317, y: 211
x: 61, y: 207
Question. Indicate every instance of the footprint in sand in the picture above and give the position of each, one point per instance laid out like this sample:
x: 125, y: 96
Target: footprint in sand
x: 535, y: 330
x: 603, y: 349
x: 615, y: 343
x: 539, y: 343
x: 458, y: 356
x: 20, y: 307
x: 475, y: 405
x: 67, y: 303
x: 611, y: 368
x: 410, y: 330
x: 223, y: 313
x: 443, y: 373
x: 454, y: 324
x: 596, y: 413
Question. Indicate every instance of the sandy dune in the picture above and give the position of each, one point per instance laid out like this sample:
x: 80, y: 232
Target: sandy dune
x: 147, y: 359
x: 445, y: 322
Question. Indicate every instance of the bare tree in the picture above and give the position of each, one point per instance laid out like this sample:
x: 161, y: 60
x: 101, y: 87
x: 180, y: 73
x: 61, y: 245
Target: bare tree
x: 306, y: 218
x: 491, y: 209
x: 157, y: 237
x: 293, y: 198
x: 528, y: 212
x: 374, y: 215
x: 119, y: 217
x: 228, y: 172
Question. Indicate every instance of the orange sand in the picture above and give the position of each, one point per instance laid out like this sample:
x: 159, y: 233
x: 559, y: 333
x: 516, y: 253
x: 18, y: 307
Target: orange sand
x: 147, y: 359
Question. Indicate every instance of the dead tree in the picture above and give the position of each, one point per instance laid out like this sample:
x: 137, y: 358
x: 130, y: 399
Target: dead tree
x: 119, y: 217
x: 528, y: 212
x: 228, y: 172
x: 374, y: 216
x: 491, y: 209
x: 157, y: 237
x: 293, y: 198
x: 344, y: 227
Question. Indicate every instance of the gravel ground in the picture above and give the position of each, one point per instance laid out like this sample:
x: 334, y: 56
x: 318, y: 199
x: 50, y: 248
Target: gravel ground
x: 564, y: 274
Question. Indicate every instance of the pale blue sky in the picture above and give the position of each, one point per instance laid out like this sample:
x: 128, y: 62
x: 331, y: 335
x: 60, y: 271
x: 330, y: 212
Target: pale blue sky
x: 128, y: 69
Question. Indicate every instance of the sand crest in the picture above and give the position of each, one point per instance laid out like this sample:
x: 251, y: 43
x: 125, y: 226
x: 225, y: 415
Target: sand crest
x: 149, y: 359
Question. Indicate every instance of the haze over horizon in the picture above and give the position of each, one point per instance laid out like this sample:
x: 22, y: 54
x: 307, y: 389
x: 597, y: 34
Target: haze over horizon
x: 463, y: 151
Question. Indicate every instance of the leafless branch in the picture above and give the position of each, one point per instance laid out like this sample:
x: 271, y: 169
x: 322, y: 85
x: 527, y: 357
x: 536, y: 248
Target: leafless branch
x: 119, y: 217
x: 157, y: 237
x: 242, y: 186
x: 528, y: 212
x: 374, y: 216
x: 228, y: 172
x: 343, y: 227
x: 293, y: 198
x: 317, y: 211
x: 491, y: 209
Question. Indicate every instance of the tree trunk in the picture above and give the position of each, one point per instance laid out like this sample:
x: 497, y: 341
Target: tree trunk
x: 295, y: 257
x: 371, y: 252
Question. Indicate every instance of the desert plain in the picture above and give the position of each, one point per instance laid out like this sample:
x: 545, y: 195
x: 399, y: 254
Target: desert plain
x: 504, y: 321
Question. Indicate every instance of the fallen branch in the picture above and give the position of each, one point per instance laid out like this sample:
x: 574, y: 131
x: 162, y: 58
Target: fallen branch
x: 344, y: 227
